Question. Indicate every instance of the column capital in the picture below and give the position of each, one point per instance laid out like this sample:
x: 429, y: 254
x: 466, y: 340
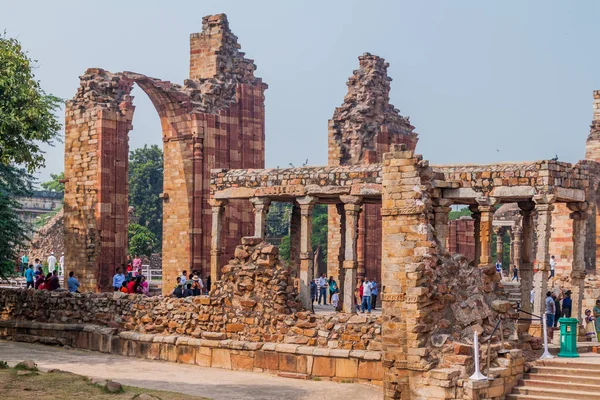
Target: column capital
x: 542, y: 200
x: 441, y: 202
x: 258, y: 201
x: 526, y: 207
x: 474, y: 208
x: 498, y: 229
x: 486, y: 202
x: 578, y: 206
x: 306, y: 201
x: 347, y: 199
x: 217, y: 202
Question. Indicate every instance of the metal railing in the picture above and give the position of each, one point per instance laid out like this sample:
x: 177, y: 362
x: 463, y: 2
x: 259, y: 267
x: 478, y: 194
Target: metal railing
x: 151, y: 274
x: 488, y: 340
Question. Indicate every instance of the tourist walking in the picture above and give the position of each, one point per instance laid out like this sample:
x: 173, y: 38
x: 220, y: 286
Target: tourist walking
x: 332, y: 287
x: 556, y: 310
x: 51, y: 262
x: 118, y: 280
x: 552, y: 267
x: 313, y: 291
x: 567, y: 304
x: 322, y: 284
x: 72, y: 283
x: 374, y: 293
x: 596, y: 312
x: 61, y: 264
x: 29, y: 277
x: 366, y: 296
x: 515, y: 271
x: 550, y: 310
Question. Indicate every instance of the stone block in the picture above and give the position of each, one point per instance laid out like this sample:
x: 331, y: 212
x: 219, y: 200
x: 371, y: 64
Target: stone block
x: 267, y: 360
x: 346, y: 368
x: 371, y: 370
x: 242, y: 362
x: 186, y: 354
x: 221, y: 358
x: 204, y: 356
x: 323, y: 366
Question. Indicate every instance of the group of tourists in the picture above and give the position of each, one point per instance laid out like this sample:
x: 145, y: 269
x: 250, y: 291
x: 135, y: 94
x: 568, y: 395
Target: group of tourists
x: 191, y: 285
x: 52, y: 262
x: 132, y: 283
x: 36, y: 278
x: 366, y: 292
x: 500, y: 271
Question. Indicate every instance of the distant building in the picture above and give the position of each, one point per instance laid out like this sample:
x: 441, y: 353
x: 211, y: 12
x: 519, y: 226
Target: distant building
x: 39, y: 203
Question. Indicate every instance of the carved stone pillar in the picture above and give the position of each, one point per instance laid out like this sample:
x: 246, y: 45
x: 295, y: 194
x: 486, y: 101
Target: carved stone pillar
x: 543, y: 207
x: 499, y: 231
x: 578, y: 269
x: 515, y: 245
x: 525, y: 248
x: 260, y: 206
x: 218, y: 207
x: 352, y: 207
x: 486, y: 209
x: 441, y: 209
x: 476, y: 215
x: 306, y: 204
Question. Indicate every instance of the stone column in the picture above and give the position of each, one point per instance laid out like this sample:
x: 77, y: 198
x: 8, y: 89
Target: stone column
x: 515, y: 245
x: 441, y: 209
x: 295, y: 240
x: 476, y: 215
x: 218, y: 207
x: 543, y: 207
x: 306, y: 204
x: 578, y: 269
x: 525, y: 250
x: 260, y: 206
x: 352, y: 207
x: 499, y: 231
x: 486, y: 208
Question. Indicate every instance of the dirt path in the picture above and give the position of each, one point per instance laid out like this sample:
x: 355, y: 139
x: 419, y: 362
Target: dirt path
x: 214, y: 383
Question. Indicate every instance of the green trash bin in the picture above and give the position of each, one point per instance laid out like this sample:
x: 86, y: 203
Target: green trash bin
x: 568, y: 337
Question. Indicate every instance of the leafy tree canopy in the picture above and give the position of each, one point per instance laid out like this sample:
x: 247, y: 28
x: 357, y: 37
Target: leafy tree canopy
x: 26, y: 112
x: 141, y: 240
x: 55, y: 184
x: 145, y: 186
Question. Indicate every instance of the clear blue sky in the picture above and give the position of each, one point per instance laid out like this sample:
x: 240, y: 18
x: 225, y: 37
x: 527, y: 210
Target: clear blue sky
x: 482, y: 81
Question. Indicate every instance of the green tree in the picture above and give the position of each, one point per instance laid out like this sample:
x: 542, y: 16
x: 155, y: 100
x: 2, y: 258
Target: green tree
x: 456, y: 214
x: 141, y: 240
x: 55, y: 184
x: 13, y: 182
x: 145, y: 185
x: 26, y: 112
x: 27, y: 120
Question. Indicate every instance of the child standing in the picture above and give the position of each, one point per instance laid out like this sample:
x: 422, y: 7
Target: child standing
x: 590, y: 327
x: 335, y: 299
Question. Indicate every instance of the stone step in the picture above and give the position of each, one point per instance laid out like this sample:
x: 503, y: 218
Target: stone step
x: 513, y: 396
x: 568, y: 364
x: 543, y: 370
x: 546, y: 384
x: 565, y: 379
x: 547, y: 393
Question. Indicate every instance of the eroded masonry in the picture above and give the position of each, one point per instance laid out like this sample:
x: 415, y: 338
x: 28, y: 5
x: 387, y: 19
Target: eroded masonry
x: 388, y: 216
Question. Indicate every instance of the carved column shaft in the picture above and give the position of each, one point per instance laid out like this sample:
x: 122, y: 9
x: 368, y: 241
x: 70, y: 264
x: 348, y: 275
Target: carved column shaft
x: 476, y: 215
x: 352, y: 208
x: 441, y: 210
x: 486, y: 210
x: 218, y: 208
x: 306, y: 204
x: 524, y: 249
x: 578, y: 267
x: 543, y: 208
x: 499, y: 245
x: 260, y: 206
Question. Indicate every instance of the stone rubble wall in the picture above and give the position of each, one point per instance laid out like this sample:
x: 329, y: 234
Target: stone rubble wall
x: 287, y: 360
x: 255, y: 301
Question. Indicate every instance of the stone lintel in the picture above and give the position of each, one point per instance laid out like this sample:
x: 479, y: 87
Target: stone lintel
x: 461, y: 194
x: 569, y: 195
x: 513, y: 192
x: 235, y: 193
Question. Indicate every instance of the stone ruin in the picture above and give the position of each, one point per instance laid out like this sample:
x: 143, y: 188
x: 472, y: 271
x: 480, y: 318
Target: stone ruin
x: 49, y: 238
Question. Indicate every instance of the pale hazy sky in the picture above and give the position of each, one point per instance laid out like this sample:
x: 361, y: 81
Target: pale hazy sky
x: 482, y: 81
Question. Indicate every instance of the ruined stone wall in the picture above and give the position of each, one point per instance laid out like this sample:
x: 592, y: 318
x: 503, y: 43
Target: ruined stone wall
x: 360, y: 131
x: 254, y: 301
x: 432, y: 303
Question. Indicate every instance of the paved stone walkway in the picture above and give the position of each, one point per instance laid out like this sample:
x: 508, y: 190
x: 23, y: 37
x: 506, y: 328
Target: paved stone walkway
x: 213, y: 383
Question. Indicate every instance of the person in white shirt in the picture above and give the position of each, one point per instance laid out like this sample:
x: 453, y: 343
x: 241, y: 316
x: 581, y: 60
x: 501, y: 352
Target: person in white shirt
x: 61, y: 264
x: 322, y: 284
x: 183, y: 278
x: 335, y: 298
x: 366, y: 299
x: 51, y: 263
x: 552, y: 267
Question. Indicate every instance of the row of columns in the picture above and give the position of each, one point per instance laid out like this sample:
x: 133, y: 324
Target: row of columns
x: 522, y: 244
x: 300, y: 232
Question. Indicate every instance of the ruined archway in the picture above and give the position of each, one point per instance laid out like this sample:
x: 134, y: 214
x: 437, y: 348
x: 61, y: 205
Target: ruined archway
x: 215, y: 120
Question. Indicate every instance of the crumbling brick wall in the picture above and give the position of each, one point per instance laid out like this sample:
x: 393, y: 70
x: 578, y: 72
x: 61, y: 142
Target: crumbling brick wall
x: 360, y: 131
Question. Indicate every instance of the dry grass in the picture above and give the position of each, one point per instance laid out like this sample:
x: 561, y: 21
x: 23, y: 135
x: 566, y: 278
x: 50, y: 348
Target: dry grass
x: 65, y: 385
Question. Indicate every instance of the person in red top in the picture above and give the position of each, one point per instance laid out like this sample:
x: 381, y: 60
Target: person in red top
x: 135, y: 286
